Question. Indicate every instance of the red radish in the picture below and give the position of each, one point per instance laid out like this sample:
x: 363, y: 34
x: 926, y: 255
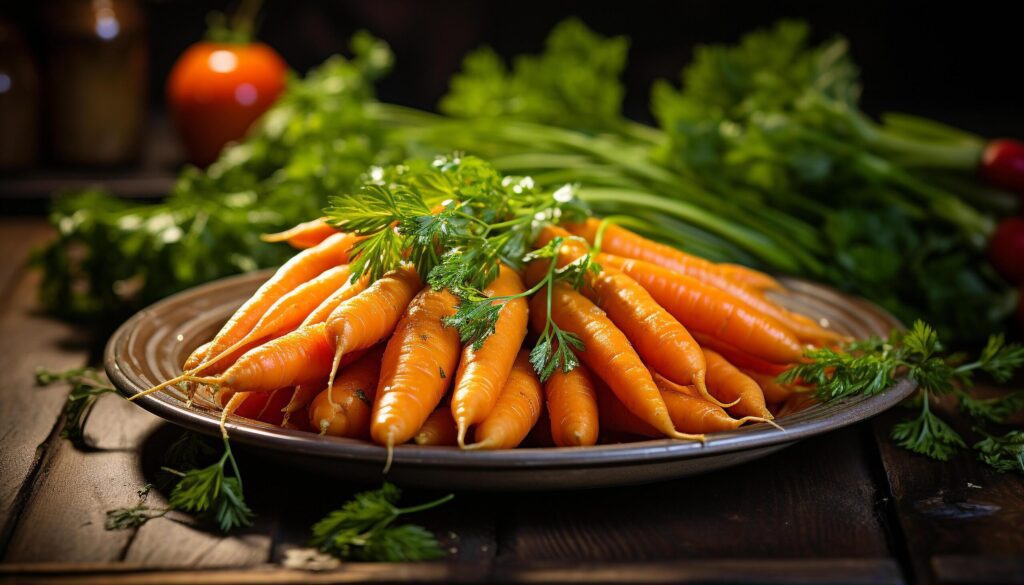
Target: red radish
x: 1002, y: 164
x: 1006, y: 249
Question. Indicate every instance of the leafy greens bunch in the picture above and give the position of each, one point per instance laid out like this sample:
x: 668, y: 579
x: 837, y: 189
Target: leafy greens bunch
x: 872, y: 366
x: 111, y: 257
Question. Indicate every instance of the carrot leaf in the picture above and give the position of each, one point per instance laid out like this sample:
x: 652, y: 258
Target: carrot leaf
x: 212, y: 494
x: 87, y: 385
x: 874, y: 365
x: 362, y: 529
x: 1004, y: 453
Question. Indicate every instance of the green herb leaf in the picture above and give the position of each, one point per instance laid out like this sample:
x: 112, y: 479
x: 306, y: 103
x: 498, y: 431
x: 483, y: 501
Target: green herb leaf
x: 927, y: 434
x: 362, y: 529
x: 87, y: 385
x: 1004, y: 453
x: 210, y: 493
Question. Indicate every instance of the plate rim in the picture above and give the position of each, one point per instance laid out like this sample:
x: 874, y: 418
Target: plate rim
x: 257, y: 434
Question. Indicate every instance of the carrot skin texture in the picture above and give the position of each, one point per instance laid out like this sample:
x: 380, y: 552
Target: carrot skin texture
x: 482, y: 373
x: 623, y: 242
x: 300, y: 357
x: 344, y: 293
x: 689, y: 414
x: 572, y: 408
x: 662, y: 342
x: 272, y: 412
x: 353, y: 393
x: 774, y: 391
x: 370, y: 316
x: 299, y: 269
x: 196, y: 357
x: 704, y: 309
x: 727, y: 383
x: 417, y: 368
x: 439, y: 429
x: 607, y: 353
x: 304, y: 235
x: 288, y: 313
x: 517, y: 410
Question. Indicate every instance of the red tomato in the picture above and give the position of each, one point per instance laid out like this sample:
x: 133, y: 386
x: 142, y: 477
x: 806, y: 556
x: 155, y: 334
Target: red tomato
x: 1006, y: 249
x: 217, y: 90
x: 1002, y: 164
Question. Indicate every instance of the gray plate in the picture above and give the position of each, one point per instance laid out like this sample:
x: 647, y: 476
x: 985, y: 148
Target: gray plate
x: 151, y: 346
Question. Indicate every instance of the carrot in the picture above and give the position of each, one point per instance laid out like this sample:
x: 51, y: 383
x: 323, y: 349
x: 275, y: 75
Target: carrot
x: 299, y: 421
x: 607, y: 353
x: 290, y: 311
x: 656, y: 335
x: 622, y: 242
x: 689, y: 413
x: 705, y: 309
x: 741, y: 360
x: 305, y: 235
x: 249, y: 404
x: 746, y: 284
x: 516, y: 411
x: 370, y: 316
x: 482, y: 372
x: 345, y: 412
x: 773, y: 390
x: 299, y: 357
x: 196, y: 357
x: 344, y: 293
x: 729, y: 384
x: 572, y: 407
x: 272, y: 411
x: 439, y: 428
x: 305, y: 393
x: 417, y: 368
x: 302, y: 267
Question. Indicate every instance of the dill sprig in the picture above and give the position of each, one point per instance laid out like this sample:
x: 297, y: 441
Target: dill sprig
x: 362, y: 529
x: 874, y: 365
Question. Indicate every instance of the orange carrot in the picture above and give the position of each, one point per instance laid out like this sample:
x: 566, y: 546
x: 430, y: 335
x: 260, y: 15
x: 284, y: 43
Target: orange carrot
x: 622, y: 242
x: 516, y: 411
x: 607, y: 353
x: 300, y: 357
x: 689, y: 413
x: 249, y: 404
x: 741, y: 360
x: 302, y: 267
x: 370, y: 316
x: 305, y: 393
x: 705, y: 309
x: 298, y: 421
x: 482, y: 372
x: 196, y: 357
x: 283, y: 316
x: 417, y: 368
x: 344, y: 293
x: 773, y: 390
x: 272, y: 412
x: 572, y: 407
x: 346, y: 411
x: 439, y: 428
x: 729, y: 384
x: 305, y: 235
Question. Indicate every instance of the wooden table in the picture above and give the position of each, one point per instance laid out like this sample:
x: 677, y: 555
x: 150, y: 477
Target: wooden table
x: 846, y: 507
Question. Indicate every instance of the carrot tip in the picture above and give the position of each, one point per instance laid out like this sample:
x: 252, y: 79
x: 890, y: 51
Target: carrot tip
x: 688, y: 437
x: 462, y: 434
x: 390, y: 457
x: 760, y: 419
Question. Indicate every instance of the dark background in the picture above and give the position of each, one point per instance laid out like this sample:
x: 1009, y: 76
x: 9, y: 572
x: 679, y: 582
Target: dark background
x: 957, y: 62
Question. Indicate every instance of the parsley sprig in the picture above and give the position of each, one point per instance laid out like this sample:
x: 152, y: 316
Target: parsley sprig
x: 363, y: 529
x: 87, y: 385
x: 457, y: 220
x: 874, y: 365
x: 212, y: 494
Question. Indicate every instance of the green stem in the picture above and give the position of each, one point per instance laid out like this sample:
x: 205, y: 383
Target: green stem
x: 426, y: 506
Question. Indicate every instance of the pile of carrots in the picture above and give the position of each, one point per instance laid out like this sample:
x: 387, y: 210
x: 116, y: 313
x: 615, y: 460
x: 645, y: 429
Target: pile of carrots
x: 672, y: 346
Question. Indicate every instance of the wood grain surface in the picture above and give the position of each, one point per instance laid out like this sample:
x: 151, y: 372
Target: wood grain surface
x: 846, y: 507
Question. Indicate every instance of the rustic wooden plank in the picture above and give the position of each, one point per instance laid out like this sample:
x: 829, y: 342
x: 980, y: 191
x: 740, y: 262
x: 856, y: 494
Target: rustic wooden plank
x: 738, y: 571
x: 27, y: 340
x: 815, y: 499
x: 64, y: 518
x: 961, y: 508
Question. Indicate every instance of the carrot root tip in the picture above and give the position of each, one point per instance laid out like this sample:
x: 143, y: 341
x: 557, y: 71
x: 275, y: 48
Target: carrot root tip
x: 390, y: 456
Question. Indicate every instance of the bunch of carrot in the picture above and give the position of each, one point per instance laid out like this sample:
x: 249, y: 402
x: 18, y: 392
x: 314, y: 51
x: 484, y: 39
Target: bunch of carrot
x: 668, y: 344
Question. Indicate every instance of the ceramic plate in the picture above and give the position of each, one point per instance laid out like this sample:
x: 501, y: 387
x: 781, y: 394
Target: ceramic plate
x: 151, y: 346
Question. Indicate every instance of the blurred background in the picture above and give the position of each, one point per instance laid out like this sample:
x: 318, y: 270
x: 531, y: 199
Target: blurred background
x: 957, y: 63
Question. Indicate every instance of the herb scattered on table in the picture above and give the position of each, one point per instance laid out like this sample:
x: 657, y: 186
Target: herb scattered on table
x: 363, y: 529
x: 873, y: 366
x: 87, y: 385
